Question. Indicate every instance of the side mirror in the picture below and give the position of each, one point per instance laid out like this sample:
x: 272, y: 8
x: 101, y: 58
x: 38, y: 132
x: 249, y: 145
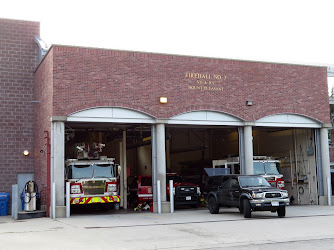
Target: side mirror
x: 119, y: 169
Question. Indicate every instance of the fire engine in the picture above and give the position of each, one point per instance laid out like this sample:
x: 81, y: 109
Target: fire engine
x: 140, y: 190
x: 93, y: 178
x: 265, y: 166
x: 185, y: 193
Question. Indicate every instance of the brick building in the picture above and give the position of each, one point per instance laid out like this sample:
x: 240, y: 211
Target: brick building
x: 18, y: 61
x: 218, y: 107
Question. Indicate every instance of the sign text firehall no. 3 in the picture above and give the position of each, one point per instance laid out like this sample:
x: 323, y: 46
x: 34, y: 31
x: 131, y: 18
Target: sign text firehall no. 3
x: 205, y: 81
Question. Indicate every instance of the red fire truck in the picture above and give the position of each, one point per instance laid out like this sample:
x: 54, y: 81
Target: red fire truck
x: 140, y: 190
x: 93, y: 178
x: 265, y: 166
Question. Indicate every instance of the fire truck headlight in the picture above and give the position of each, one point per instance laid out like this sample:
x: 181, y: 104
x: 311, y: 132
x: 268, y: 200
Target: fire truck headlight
x: 199, y: 190
x: 112, y: 188
x: 258, y: 195
x: 285, y: 194
x: 75, y: 189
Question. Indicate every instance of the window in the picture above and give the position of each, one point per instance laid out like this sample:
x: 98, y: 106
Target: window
x: 103, y: 170
x: 146, y: 181
x: 226, y: 183
x: 81, y: 172
x: 234, y: 183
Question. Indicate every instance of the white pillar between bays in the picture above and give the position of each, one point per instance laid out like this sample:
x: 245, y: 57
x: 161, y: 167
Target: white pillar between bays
x: 154, y: 161
x: 325, y: 159
x: 125, y: 177
x: 121, y: 193
x: 161, y: 159
x: 248, y: 139
x: 59, y: 161
x: 58, y: 164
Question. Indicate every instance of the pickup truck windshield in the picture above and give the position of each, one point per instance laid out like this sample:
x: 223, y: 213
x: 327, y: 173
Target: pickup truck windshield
x: 253, y: 182
x: 261, y: 168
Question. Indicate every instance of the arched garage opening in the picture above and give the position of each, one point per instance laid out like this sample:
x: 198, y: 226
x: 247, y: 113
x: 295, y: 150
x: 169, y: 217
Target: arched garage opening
x: 196, y: 139
x: 111, y: 132
x: 292, y: 139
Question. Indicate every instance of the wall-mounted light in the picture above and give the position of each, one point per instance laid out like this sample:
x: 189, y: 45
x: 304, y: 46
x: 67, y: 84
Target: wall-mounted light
x: 26, y: 153
x: 163, y: 99
x: 249, y: 103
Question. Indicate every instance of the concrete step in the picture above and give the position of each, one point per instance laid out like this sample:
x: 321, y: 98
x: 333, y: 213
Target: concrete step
x: 31, y: 214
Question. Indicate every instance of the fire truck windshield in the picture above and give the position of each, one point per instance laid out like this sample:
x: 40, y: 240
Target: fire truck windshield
x: 90, y: 171
x: 81, y: 172
x: 103, y: 170
x: 175, y: 178
x: 269, y: 168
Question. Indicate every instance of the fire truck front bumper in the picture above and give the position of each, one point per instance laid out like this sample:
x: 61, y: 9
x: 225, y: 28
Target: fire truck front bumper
x: 94, y: 199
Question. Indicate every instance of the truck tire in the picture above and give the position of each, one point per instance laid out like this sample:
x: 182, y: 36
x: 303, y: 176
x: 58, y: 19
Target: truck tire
x: 281, y: 212
x: 241, y: 210
x: 247, y: 208
x: 213, y: 205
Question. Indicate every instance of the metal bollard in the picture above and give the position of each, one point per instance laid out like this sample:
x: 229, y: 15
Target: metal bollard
x: 171, y: 196
x: 68, y: 205
x: 329, y: 191
x: 159, y: 196
x: 15, y: 200
x: 53, y: 198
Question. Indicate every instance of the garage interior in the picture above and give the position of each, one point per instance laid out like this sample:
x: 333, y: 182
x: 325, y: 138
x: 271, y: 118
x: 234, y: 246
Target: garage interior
x: 296, y: 151
x: 190, y: 149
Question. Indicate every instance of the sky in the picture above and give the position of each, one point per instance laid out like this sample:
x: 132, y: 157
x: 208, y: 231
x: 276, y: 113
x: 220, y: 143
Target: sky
x: 285, y: 31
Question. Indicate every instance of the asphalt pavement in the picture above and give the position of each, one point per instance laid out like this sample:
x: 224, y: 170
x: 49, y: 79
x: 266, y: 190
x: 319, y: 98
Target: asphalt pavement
x: 184, y: 229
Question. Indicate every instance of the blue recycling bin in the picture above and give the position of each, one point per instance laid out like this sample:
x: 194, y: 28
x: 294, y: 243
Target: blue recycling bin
x: 4, y: 201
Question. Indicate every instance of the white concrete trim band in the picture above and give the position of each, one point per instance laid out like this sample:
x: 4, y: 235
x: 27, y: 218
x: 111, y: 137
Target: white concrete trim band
x: 202, y: 117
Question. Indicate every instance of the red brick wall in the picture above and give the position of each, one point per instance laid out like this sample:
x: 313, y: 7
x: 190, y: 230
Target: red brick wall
x: 18, y: 59
x: 331, y: 153
x: 86, y: 78
x: 43, y: 111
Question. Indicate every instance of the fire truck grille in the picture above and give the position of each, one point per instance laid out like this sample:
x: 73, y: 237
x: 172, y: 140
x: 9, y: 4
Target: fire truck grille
x: 93, y: 187
x: 186, y: 190
x: 273, y: 195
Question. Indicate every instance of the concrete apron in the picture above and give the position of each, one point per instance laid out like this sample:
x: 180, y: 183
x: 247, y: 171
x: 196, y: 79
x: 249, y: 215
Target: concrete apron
x: 165, y: 208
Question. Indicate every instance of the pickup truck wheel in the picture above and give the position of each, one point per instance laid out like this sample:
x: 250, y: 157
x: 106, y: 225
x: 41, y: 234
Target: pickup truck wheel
x: 213, y: 206
x: 281, y: 212
x: 247, y: 208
